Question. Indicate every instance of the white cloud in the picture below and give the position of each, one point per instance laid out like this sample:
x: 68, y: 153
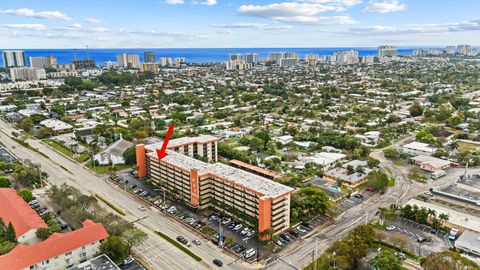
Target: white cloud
x: 346, y: 3
x: 75, y: 26
x: 209, y: 2
x: 294, y: 12
x: 34, y: 26
x: 246, y: 25
x: 30, y: 13
x: 431, y: 28
x: 385, y: 6
x: 93, y: 20
x: 174, y: 2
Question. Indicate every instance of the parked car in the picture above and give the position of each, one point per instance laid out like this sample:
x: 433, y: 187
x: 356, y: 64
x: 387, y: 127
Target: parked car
x: 401, y: 255
x: 239, y: 249
x: 251, y: 233
x: 217, y: 262
x: 238, y: 227
x: 370, y: 189
x: 245, y: 231
x: 434, y: 231
x: 421, y: 239
x: 128, y: 261
x: 231, y: 225
x: 391, y: 228
x: 225, y: 221
x: 142, y: 208
x: 293, y: 233
x: 214, y: 217
x: 301, y: 230
x: 250, y: 253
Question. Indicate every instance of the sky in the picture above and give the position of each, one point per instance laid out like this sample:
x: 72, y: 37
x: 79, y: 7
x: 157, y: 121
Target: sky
x: 237, y: 23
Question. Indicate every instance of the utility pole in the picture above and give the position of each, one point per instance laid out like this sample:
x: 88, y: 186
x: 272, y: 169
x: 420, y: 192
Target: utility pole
x: 315, y: 252
x: 220, y: 240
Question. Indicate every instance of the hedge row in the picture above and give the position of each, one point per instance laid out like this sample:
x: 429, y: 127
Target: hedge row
x: 118, y: 210
x: 180, y: 246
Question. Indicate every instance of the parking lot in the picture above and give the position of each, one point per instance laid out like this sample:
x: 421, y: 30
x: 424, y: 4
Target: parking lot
x: 131, y: 265
x: 5, y: 156
x: 354, y: 200
x: 413, y: 231
x: 244, y: 236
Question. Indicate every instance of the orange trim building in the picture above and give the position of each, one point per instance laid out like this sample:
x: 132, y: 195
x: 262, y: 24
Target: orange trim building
x: 24, y: 219
x: 59, y: 251
x: 256, y: 200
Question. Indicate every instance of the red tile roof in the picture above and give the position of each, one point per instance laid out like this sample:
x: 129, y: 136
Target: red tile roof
x: 15, y: 210
x: 57, y: 244
x: 254, y: 169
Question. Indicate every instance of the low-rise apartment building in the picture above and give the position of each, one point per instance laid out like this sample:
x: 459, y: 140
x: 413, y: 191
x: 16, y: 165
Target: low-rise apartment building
x: 58, y: 252
x: 256, y: 200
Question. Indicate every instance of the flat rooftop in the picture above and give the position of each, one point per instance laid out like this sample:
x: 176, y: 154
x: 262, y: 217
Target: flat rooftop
x: 260, y: 184
x: 457, y: 218
x: 182, y: 161
x: 102, y: 262
x: 255, y: 168
x: 182, y: 141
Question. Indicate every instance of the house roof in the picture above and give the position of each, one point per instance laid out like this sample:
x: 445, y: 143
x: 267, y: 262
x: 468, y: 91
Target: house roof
x: 23, y: 256
x: 118, y: 147
x: 15, y: 210
x: 255, y: 168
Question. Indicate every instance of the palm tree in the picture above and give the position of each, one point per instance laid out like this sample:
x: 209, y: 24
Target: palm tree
x: 453, y: 145
x: 443, y: 217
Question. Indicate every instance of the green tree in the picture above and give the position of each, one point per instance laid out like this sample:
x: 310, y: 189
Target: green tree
x: 26, y: 124
x: 43, y: 233
x: 5, y: 182
x: 10, y: 233
x: 386, y: 260
x: 391, y: 153
x: 378, y: 180
x: 311, y: 201
x: 133, y: 237
x: 25, y: 194
x: 447, y: 260
x: 115, y: 248
x: 416, y: 109
x: 130, y: 155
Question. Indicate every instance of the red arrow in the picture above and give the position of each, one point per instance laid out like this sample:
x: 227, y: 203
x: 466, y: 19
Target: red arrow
x: 162, y: 152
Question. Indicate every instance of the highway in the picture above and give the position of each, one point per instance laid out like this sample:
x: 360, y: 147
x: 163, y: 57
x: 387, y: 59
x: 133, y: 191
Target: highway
x: 156, y: 251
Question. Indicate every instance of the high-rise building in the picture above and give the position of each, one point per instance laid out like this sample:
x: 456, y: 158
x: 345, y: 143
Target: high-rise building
x: 43, y: 61
x: 251, y: 58
x: 451, y: 50
x: 311, y: 59
x: 387, y: 51
x: 464, y: 50
x: 27, y: 74
x: 275, y: 57
x: 14, y: 59
x: 179, y: 60
x: 128, y: 60
x: 84, y: 64
x: 150, y: 67
x: 165, y: 61
x: 237, y: 65
x: 149, y: 57
x: 288, y: 62
x: 346, y: 57
x: 369, y: 59
x: 235, y: 56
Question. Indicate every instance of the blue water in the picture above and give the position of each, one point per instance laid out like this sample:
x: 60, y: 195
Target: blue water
x: 206, y: 55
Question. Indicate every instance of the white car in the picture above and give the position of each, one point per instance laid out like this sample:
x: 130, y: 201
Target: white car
x: 245, y: 231
x: 238, y: 227
x: 391, y: 228
x: 250, y: 233
x: 142, y: 208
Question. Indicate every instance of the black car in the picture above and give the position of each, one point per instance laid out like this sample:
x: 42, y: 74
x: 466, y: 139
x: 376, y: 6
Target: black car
x: 286, y: 238
x: 422, y: 239
x: 434, y: 231
x: 239, y: 249
x: 217, y: 262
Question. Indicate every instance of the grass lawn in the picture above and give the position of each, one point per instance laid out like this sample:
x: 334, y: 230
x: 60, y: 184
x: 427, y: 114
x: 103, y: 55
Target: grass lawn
x: 105, y: 169
x: 391, y: 182
x: 467, y: 147
x: 399, y: 163
x: 64, y: 150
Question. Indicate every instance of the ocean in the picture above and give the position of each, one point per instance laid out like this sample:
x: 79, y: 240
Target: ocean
x: 204, y: 55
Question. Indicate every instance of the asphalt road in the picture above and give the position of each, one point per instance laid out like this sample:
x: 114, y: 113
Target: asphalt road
x: 158, y: 253
x: 301, y: 253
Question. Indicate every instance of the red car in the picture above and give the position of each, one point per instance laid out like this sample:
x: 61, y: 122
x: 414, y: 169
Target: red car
x: 370, y: 189
x: 455, y: 165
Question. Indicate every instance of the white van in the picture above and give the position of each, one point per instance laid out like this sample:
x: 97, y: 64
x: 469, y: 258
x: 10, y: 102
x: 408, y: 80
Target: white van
x: 250, y: 253
x: 438, y: 174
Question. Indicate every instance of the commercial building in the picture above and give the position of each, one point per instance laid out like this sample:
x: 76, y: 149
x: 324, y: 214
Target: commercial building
x: 14, y: 59
x: 101, y: 262
x: 165, y: 61
x: 24, y: 219
x: 387, y: 51
x: 58, y: 252
x: 43, y: 61
x: 177, y: 61
x: 149, y: 67
x: 84, y: 64
x: 235, y: 56
x: 149, y: 57
x: 57, y: 125
x: 469, y: 242
x: 63, y: 67
x: 256, y: 200
x: 275, y: 57
x: 431, y: 164
x: 418, y: 148
x: 27, y: 74
x: 237, y: 65
x: 311, y: 59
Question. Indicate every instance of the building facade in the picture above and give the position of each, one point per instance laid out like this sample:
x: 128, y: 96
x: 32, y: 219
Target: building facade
x: 258, y: 201
x: 43, y: 61
x: 387, y: 51
x: 149, y: 57
x: 27, y: 74
x: 14, y: 59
